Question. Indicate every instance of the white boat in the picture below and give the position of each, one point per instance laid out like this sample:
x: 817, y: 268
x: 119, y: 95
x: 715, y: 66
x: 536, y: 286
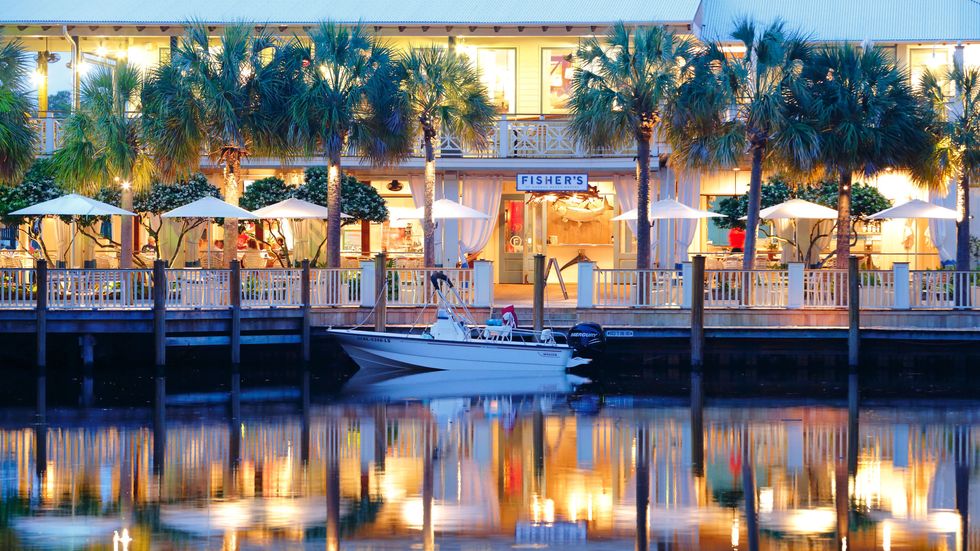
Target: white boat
x: 455, y: 343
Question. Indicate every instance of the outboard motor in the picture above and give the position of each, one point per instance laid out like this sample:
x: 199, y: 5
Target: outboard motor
x: 587, y: 340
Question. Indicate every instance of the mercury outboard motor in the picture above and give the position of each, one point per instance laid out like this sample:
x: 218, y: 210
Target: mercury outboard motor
x: 587, y: 340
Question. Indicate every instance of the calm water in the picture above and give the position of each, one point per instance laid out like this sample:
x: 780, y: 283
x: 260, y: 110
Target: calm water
x: 433, y: 461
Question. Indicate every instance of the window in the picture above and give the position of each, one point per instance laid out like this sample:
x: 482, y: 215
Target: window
x: 498, y: 72
x: 557, y: 70
x: 936, y: 59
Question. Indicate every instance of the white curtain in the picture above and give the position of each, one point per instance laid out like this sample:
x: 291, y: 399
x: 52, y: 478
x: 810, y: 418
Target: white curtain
x: 626, y: 196
x: 943, y: 232
x: 482, y: 194
x: 688, y: 193
x: 416, y: 183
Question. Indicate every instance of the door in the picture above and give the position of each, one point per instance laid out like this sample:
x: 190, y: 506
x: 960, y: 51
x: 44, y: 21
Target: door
x: 513, y: 227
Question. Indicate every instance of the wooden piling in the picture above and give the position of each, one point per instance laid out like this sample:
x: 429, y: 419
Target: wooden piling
x: 539, y: 284
x: 642, y: 489
x: 697, y: 312
x: 41, y: 312
x: 305, y: 298
x: 160, y: 315
x: 235, y: 300
x: 853, y: 313
x: 381, y: 305
x: 87, y: 342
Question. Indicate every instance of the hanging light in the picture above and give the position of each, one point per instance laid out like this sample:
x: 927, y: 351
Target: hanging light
x: 395, y: 185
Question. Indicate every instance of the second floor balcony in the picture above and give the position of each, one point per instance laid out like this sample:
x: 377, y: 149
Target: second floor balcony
x: 514, y: 137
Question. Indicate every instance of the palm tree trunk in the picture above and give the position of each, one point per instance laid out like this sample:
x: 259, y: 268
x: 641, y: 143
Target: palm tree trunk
x: 233, y: 182
x: 428, y: 224
x: 843, y: 220
x: 963, y: 225
x: 755, y: 205
x: 126, y: 228
x: 642, y: 202
x: 333, y: 209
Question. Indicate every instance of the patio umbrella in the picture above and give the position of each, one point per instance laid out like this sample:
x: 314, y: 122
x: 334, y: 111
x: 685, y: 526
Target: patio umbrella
x: 210, y: 208
x: 445, y: 209
x: 670, y: 209
x: 73, y: 205
x: 294, y: 209
x: 797, y: 209
x: 916, y: 208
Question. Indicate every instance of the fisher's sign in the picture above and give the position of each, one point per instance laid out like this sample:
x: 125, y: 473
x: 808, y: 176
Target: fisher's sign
x: 552, y: 182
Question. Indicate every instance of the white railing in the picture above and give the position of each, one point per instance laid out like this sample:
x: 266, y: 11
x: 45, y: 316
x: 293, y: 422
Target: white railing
x: 877, y: 289
x: 17, y: 288
x: 201, y: 289
x: 335, y: 287
x: 642, y: 288
x: 271, y: 288
x: 514, y: 136
x: 825, y: 289
x: 413, y: 286
x: 746, y: 288
x: 945, y: 289
x: 100, y: 289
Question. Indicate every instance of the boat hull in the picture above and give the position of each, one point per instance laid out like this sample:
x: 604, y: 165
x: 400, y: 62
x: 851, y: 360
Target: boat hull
x: 386, y: 351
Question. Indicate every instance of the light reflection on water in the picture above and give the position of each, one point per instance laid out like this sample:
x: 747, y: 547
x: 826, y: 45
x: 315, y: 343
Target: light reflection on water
x: 408, y: 463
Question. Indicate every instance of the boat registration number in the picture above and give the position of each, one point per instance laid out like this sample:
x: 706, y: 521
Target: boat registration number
x: 619, y: 332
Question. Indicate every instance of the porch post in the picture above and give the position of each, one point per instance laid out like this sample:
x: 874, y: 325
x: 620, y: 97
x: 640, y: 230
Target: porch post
x: 368, y: 292
x: 900, y: 277
x: 795, y: 286
x: 483, y: 284
x: 687, y: 284
x: 586, y: 284
x: 503, y: 138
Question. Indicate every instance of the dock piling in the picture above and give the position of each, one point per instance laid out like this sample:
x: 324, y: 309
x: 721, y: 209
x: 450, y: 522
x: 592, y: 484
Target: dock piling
x: 87, y: 342
x: 160, y: 315
x: 235, y: 300
x: 381, y: 306
x: 697, y: 312
x: 539, y: 284
x: 41, y: 312
x: 305, y: 298
x: 853, y: 313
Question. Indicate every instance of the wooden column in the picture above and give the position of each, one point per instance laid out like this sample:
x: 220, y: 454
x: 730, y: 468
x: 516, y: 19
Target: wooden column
x: 381, y: 306
x: 539, y: 284
x: 853, y: 313
x: 235, y: 300
x: 159, y: 315
x: 41, y: 327
x: 697, y: 312
x: 305, y: 298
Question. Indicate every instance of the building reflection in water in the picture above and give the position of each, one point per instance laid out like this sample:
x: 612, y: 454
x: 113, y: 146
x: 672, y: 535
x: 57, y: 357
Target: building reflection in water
x: 531, y: 470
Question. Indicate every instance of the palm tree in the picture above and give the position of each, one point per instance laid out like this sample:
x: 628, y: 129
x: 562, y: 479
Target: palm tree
x: 17, y: 135
x: 869, y: 120
x: 347, y: 97
x: 444, y: 94
x: 103, y: 143
x: 227, y: 101
x: 955, y: 128
x: 621, y: 86
x: 733, y: 105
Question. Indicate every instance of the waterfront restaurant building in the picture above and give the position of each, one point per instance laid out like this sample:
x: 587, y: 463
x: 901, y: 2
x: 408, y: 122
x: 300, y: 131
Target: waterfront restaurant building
x: 522, y: 51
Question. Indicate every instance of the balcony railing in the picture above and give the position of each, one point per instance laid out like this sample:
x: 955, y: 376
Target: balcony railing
x: 514, y: 137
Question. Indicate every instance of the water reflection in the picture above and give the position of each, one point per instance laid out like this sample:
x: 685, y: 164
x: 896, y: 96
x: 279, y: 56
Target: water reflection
x: 542, y: 469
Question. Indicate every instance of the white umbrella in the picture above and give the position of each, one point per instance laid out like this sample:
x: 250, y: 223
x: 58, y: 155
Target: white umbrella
x: 797, y: 209
x: 669, y: 209
x: 73, y: 205
x: 916, y: 208
x: 296, y: 209
x: 445, y: 209
x: 210, y: 208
